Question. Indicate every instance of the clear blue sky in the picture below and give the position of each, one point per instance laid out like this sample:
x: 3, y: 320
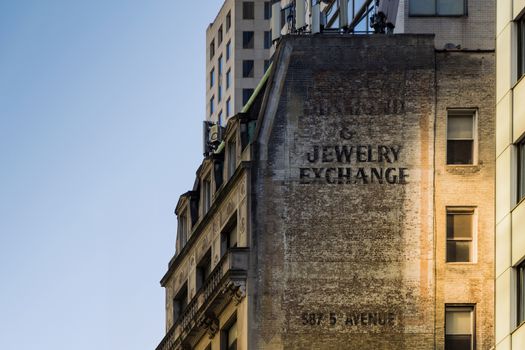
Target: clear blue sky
x: 101, y: 104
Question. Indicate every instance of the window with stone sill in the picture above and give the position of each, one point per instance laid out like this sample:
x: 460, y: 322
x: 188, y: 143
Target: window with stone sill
x: 459, y: 327
x: 229, y: 235
x: 461, y: 136
x: 229, y: 335
x: 521, y: 46
x: 206, y: 194
x: 183, y: 229
x: 460, y: 235
x: 203, y: 270
x: 180, y: 302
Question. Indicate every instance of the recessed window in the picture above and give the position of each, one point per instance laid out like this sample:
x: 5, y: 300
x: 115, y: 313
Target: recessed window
x: 267, y: 39
x: 203, y: 269
x: 212, y: 105
x: 521, y: 47
x: 183, y: 229
x: 228, y: 50
x: 267, y: 10
x: 459, y: 328
x: 206, y: 194
x: 212, y: 49
x: 219, y: 93
x: 246, y: 94
x: 438, y: 8
x: 229, y: 336
x: 247, y: 40
x: 180, y: 302
x: 228, y: 78
x: 219, y: 36
x: 521, y: 293
x: 229, y: 235
x: 521, y: 170
x: 219, y: 66
x: 460, y: 233
x: 248, y: 10
x: 212, y: 77
x: 228, y: 107
x: 219, y: 118
x: 461, y: 135
x: 267, y: 64
x: 228, y: 20
x: 247, y: 69
x: 232, y: 157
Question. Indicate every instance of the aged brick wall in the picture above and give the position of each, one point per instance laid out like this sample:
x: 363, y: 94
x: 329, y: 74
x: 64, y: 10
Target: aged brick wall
x: 466, y: 80
x: 345, y: 262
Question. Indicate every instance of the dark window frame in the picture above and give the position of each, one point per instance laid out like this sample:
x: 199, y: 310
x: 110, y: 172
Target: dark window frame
x: 180, y: 302
x: 248, y: 39
x: 228, y: 21
x: 520, y: 166
x: 246, y: 94
x: 225, y: 332
x: 458, y: 307
x: 267, y: 10
x: 203, y: 270
x: 248, y: 10
x: 220, y: 35
x: 521, y: 47
x: 248, y: 68
x: 435, y: 14
x: 267, y: 39
x: 459, y: 211
x: 212, y: 49
x: 453, y: 145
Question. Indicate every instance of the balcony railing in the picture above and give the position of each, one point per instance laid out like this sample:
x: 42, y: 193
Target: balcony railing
x: 226, y: 282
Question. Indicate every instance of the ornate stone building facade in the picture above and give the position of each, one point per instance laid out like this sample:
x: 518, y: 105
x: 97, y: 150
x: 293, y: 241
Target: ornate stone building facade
x: 350, y: 204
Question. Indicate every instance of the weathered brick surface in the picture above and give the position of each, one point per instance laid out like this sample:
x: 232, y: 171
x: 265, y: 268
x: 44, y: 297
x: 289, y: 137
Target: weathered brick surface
x: 362, y: 252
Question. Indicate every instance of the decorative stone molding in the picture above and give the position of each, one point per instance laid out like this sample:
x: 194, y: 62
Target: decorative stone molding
x: 210, y: 323
x: 237, y: 289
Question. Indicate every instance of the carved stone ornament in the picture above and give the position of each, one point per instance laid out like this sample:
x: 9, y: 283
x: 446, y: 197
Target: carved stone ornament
x: 210, y: 323
x: 237, y: 289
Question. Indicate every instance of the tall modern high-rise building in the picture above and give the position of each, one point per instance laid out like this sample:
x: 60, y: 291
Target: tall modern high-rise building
x: 238, y: 46
x: 510, y: 176
x: 350, y: 205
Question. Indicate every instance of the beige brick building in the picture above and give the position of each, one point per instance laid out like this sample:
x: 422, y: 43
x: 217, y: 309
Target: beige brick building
x: 238, y: 46
x: 510, y: 175
x: 352, y: 205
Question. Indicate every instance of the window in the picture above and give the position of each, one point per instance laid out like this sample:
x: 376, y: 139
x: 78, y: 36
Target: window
x: 247, y: 69
x: 521, y: 170
x: 246, y: 94
x: 219, y: 66
x: 461, y: 136
x: 438, y: 8
x: 232, y: 157
x: 459, y: 328
x: 212, y: 49
x: 219, y: 93
x: 460, y: 228
x: 228, y: 110
x: 229, y: 336
x: 219, y: 36
x: 203, y: 269
x: 219, y: 118
x: 248, y: 10
x: 247, y: 40
x: 267, y: 39
x: 521, y: 47
x: 267, y: 10
x: 228, y: 49
x: 206, y: 194
x: 212, y: 99
x: 267, y: 65
x: 229, y: 235
x: 180, y: 302
x: 521, y: 293
x: 228, y: 79
x: 183, y: 230
x: 212, y: 77
x: 228, y: 20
